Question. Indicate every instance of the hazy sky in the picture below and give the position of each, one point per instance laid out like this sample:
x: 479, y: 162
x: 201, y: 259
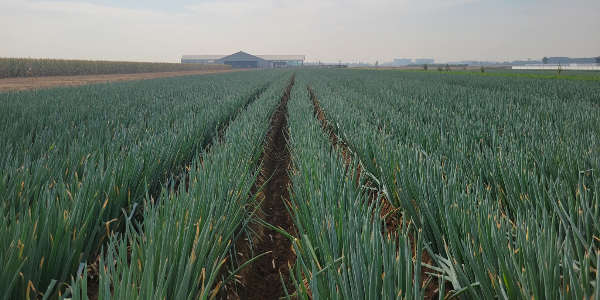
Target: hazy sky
x: 327, y: 30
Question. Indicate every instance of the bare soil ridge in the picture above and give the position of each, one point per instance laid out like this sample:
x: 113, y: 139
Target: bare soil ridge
x: 261, y: 280
x: 29, y: 83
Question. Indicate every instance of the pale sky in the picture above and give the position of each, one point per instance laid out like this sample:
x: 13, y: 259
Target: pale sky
x: 325, y: 30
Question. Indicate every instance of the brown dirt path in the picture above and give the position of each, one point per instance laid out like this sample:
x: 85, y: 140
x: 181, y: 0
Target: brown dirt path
x: 21, y: 84
x: 261, y: 280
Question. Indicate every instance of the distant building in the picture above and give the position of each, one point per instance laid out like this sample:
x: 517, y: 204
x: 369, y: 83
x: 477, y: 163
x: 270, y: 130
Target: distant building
x: 479, y: 63
x: 360, y: 65
x: 402, y: 62
x: 598, y: 60
x: 244, y: 60
x: 571, y: 66
x: 424, y: 61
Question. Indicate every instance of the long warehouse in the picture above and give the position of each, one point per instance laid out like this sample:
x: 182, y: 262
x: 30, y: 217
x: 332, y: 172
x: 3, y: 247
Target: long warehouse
x: 243, y: 60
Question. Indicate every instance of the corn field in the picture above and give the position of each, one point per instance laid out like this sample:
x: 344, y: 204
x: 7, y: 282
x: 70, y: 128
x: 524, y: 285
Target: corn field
x: 30, y: 67
x: 402, y: 185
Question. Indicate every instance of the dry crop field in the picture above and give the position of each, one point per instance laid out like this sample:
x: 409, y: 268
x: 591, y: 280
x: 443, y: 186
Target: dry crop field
x: 302, y: 184
x: 31, y: 67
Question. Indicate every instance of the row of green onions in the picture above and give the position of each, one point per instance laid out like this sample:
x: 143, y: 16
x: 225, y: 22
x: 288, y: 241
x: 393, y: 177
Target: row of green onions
x: 500, y: 174
x: 343, y: 248
x: 77, y: 162
x: 187, y: 236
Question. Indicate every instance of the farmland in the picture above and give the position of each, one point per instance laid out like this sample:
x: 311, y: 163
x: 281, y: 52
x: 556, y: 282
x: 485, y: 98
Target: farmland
x: 29, y: 67
x: 540, y: 74
x: 581, y: 73
x: 302, y: 184
x: 32, y: 83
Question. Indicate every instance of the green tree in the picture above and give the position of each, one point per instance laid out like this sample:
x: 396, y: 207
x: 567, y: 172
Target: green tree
x: 482, y: 69
x: 447, y: 68
x: 425, y: 66
x: 559, y: 70
x: 545, y: 60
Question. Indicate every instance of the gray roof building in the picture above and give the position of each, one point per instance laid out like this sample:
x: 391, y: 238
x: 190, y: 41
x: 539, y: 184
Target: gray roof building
x: 244, y: 60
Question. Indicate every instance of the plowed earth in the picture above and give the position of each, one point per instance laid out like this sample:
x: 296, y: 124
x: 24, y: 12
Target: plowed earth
x: 263, y: 278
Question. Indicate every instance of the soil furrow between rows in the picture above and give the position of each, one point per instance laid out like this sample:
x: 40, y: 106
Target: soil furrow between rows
x: 262, y: 279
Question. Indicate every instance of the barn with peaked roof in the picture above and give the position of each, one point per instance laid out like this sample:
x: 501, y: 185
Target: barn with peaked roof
x: 243, y: 60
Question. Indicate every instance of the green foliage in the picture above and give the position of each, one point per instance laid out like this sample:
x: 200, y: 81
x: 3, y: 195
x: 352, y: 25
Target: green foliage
x: 508, y: 205
x: 341, y: 249
x: 559, y: 70
x: 29, y: 67
x: 186, y: 236
x: 495, y: 177
x: 425, y: 66
x: 77, y: 162
x: 507, y: 73
x: 482, y: 69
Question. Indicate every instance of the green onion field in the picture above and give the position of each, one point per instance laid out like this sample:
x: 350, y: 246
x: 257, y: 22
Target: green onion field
x: 302, y: 184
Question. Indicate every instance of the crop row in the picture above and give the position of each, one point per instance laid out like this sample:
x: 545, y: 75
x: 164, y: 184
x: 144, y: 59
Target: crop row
x: 343, y: 249
x: 187, y: 234
x: 30, y: 67
x: 148, y: 186
x: 500, y: 174
x: 76, y: 162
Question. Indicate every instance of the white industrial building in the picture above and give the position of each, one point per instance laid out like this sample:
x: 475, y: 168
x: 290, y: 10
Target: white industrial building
x: 582, y: 67
x: 402, y: 62
x: 424, y: 61
x: 243, y: 60
x: 567, y: 66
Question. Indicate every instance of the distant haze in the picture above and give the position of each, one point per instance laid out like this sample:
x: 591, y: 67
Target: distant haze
x: 329, y: 31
